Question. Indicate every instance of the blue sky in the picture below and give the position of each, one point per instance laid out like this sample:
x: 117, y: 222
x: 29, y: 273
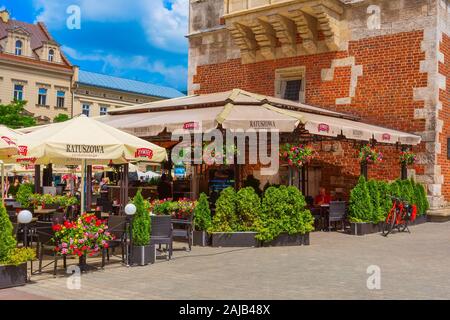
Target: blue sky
x: 137, y: 39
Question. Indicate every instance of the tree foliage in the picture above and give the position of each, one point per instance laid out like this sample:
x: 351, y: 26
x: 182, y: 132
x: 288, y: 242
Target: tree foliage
x: 141, y: 221
x: 202, y: 214
x: 14, y: 115
x: 24, y: 194
x: 361, y: 207
x: 62, y: 117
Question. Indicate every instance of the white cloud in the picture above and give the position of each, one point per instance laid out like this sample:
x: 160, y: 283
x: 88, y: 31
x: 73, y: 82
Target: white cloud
x: 164, y: 28
x: 175, y: 76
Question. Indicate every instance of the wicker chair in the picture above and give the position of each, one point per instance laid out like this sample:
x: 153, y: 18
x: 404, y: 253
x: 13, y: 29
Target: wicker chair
x: 162, y: 233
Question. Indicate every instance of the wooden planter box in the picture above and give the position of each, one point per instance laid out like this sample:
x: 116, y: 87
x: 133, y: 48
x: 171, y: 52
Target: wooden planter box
x: 285, y: 239
x: 13, y: 276
x: 201, y: 239
x: 361, y: 229
x: 143, y: 255
x: 234, y: 239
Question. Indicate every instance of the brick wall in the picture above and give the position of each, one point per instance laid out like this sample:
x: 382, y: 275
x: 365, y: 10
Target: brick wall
x: 444, y: 115
x: 384, y: 93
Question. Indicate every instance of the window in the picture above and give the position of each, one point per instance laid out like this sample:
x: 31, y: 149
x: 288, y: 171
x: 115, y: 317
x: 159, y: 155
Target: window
x: 18, y: 92
x: 60, y: 99
x: 19, y: 46
x: 51, y: 55
x: 290, y: 84
x: 86, y: 109
x: 103, y: 110
x: 42, y: 97
x: 292, y: 90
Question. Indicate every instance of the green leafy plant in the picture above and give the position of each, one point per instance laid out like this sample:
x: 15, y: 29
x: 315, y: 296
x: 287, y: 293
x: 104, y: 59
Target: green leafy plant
x: 163, y: 207
x: 360, y: 207
x: 377, y: 210
x: 141, y: 221
x: 284, y: 211
x: 225, y: 219
x: 9, y: 254
x: 385, y: 198
x: 407, y: 158
x: 24, y: 194
x: 62, y: 117
x: 421, y: 196
x: 251, y: 181
x: 202, y: 213
x: 248, y: 207
x: 15, y: 116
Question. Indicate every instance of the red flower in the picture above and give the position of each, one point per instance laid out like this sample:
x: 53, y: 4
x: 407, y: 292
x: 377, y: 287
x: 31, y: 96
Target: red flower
x: 56, y: 228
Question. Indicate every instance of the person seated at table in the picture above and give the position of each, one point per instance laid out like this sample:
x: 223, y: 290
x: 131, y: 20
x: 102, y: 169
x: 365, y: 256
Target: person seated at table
x: 164, y: 188
x: 322, y: 198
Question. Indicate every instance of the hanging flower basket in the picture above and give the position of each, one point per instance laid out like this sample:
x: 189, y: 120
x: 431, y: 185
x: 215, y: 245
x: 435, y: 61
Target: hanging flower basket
x: 407, y: 158
x: 369, y: 155
x: 296, y: 155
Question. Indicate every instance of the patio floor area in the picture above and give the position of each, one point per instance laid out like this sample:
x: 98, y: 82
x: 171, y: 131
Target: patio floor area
x: 413, y: 266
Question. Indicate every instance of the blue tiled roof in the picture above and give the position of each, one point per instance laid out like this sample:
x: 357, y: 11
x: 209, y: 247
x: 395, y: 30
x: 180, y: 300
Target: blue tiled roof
x: 127, y: 85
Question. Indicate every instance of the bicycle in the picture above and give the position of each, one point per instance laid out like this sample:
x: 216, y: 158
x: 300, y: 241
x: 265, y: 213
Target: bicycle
x: 399, y: 217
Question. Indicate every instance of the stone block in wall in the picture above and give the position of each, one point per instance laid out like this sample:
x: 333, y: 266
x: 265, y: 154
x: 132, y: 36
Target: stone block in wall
x: 435, y: 190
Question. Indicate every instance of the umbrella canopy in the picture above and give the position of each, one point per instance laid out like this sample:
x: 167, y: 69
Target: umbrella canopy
x: 82, y: 138
x: 8, y: 142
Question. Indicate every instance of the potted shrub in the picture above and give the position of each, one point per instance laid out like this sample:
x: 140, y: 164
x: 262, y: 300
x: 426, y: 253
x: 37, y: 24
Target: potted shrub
x: 227, y: 227
x: 24, y: 195
x: 202, y: 221
x: 13, y: 261
x: 143, y: 253
x: 285, y: 221
x: 362, y: 218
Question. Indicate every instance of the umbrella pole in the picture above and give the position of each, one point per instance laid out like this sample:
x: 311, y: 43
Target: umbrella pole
x: 83, y: 185
x: 3, y: 182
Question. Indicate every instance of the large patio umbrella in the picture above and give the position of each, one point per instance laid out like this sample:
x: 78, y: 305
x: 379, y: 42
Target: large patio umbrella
x: 8, y: 148
x: 85, y: 141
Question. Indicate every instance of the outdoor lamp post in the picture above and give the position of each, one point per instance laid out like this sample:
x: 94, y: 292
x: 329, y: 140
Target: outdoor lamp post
x: 130, y: 211
x: 25, y: 218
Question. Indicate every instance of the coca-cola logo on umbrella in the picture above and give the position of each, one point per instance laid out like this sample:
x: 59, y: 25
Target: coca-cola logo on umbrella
x: 144, y: 153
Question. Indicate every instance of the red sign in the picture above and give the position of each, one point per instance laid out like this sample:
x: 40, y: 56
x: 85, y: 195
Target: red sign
x: 144, y: 153
x: 32, y: 160
x: 190, y: 125
x: 323, y: 127
x: 8, y: 141
x: 386, y: 137
x: 23, y: 150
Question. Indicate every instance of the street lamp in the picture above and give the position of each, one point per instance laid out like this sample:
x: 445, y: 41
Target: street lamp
x: 130, y: 211
x: 25, y: 217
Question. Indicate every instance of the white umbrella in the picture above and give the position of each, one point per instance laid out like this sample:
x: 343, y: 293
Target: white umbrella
x: 85, y: 141
x: 8, y: 148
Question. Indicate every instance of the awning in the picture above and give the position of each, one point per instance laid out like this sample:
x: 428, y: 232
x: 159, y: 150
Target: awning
x: 239, y: 109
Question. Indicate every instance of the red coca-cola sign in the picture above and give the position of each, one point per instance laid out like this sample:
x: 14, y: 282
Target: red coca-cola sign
x: 144, y: 153
x: 23, y: 150
x: 190, y: 125
x: 8, y: 141
x: 323, y: 127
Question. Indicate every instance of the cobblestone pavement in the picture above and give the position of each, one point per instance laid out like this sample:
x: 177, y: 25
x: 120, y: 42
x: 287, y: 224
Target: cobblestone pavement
x: 413, y: 266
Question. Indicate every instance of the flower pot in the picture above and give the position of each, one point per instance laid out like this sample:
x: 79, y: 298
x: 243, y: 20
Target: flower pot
x: 201, y: 239
x: 143, y: 255
x: 235, y: 239
x: 13, y: 276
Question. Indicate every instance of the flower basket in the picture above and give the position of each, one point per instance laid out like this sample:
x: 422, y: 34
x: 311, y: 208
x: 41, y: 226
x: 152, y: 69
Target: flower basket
x: 296, y: 155
x: 86, y: 236
x: 368, y: 155
x: 407, y: 158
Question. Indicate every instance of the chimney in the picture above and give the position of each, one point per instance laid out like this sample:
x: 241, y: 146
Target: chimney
x: 4, y: 16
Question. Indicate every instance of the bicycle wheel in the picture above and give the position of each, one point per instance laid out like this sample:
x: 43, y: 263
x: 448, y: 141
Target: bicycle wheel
x: 389, y: 223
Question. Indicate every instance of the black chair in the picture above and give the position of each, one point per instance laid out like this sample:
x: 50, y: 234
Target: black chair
x: 44, y: 235
x: 117, y: 228
x: 162, y: 233
x: 58, y: 218
x: 183, y: 230
x: 337, y: 213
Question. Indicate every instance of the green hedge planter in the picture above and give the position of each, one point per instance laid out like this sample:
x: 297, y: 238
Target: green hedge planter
x: 201, y: 239
x: 285, y: 240
x: 13, y: 276
x: 144, y: 255
x: 361, y: 229
x: 235, y: 239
